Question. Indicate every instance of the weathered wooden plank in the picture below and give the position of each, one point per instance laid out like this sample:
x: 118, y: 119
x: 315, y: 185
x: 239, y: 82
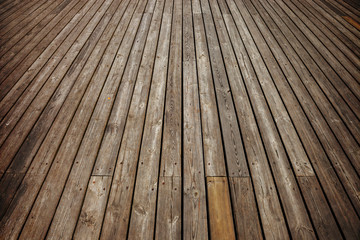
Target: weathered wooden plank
x: 16, y: 19
x: 263, y: 182
x: 68, y: 208
x: 229, y: 125
x: 348, y: 117
x: 323, y: 168
x: 63, y: 162
x: 26, y: 152
x: 171, y: 144
x: 7, y: 5
x: 142, y: 220
x: 109, y: 148
x: 211, y: 132
x: 330, y: 144
x: 352, y: 22
x: 292, y: 143
x: 351, y: 5
x: 79, y: 96
x: 19, y: 32
x: 294, y: 88
x: 220, y: 211
x: 244, y: 208
x: 329, y: 31
x: 70, y: 202
x: 344, y: 55
x: 284, y: 176
x: 119, y: 204
x: 338, y: 17
x: 168, y: 217
x: 344, y: 9
x: 320, y: 15
x: 52, y: 94
x: 323, y: 219
x: 349, y: 74
x: 90, y: 218
x: 19, y: 85
x: 326, y: 15
x: 24, y: 54
x: 323, y: 56
x: 15, y: 7
x: 195, y: 223
x: 44, y: 158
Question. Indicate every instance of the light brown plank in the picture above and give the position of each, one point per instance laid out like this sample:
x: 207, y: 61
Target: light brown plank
x: 220, y: 211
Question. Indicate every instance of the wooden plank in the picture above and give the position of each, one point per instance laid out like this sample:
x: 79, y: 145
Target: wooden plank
x: 344, y: 136
x: 275, y: 107
x: 25, y: 154
x: 68, y: 208
x: 329, y: 39
x: 322, y: 56
x: 289, y: 90
x: 352, y: 22
x: 325, y: 58
x: 56, y: 177
x: 338, y: 16
x: 245, y: 65
x: 7, y: 5
x: 258, y: 21
x: 73, y: 194
x: 119, y: 203
x: 16, y: 19
x: 90, y: 218
x: 331, y: 23
x: 320, y: 124
x: 44, y: 158
x: 23, y: 56
x: 351, y: 5
x: 284, y: 176
x: 14, y: 8
x: 211, y: 132
x: 20, y: 82
x: 229, y: 125
x: 244, y: 208
x: 195, y: 222
x: 47, y: 151
x: 323, y: 168
x: 142, y: 220
x: 269, y: 207
x: 323, y: 219
x: 34, y: 40
x: 110, y: 142
x: 343, y: 9
x: 19, y: 32
x: 168, y: 217
x: 332, y: 50
x: 220, y: 211
x: 54, y: 92
x: 335, y: 21
x: 171, y: 162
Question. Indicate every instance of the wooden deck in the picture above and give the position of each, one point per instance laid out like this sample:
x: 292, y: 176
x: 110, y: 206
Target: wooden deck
x: 170, y: 119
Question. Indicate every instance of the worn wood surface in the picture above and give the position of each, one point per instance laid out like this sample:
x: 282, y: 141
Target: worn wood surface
x: 167, y: 119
